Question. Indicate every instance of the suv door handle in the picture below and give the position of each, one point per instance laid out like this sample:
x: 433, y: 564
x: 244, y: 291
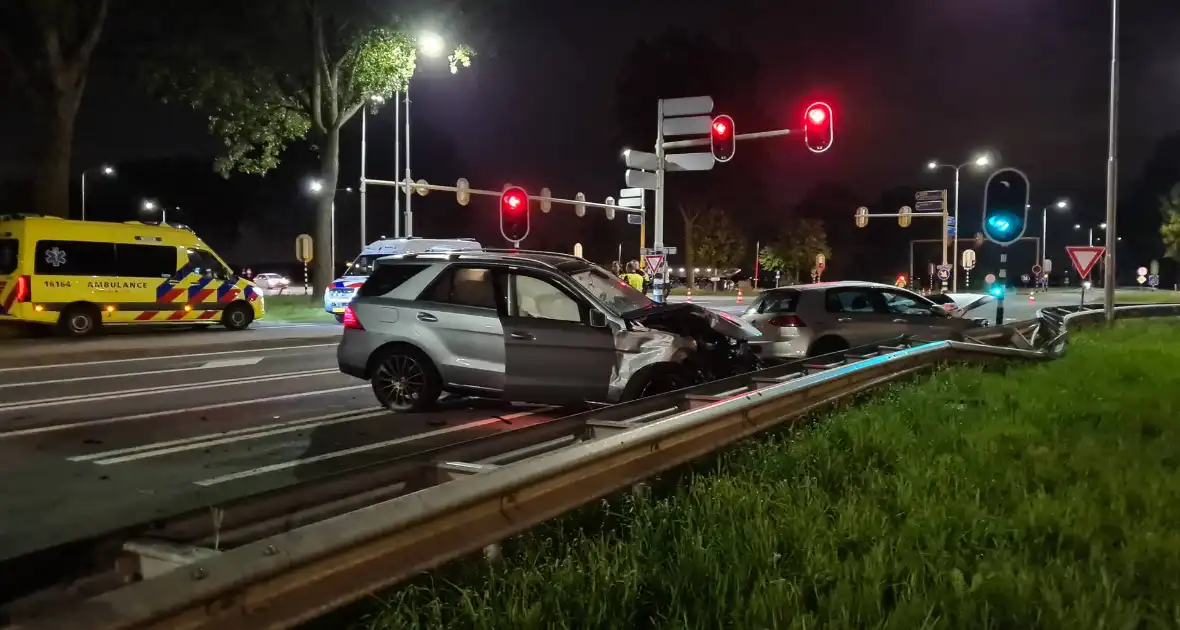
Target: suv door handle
x: 899, y: 321
x: 520, y: 335
x: 427, y: 317
x: 844, y: 319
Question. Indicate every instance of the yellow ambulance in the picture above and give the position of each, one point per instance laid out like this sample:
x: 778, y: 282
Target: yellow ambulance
x: 79, y: 276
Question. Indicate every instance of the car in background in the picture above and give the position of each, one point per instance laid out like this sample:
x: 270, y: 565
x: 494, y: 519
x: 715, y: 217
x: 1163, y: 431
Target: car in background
x: 272, y: 282
x: 815, y: 319
x: 527, y: 326
x: 344, y: 288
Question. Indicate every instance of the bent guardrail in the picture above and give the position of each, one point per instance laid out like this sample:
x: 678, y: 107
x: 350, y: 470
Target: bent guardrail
x: 286, y: 579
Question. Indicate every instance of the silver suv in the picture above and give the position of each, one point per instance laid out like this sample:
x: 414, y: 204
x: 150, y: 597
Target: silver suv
x: 527, y: 326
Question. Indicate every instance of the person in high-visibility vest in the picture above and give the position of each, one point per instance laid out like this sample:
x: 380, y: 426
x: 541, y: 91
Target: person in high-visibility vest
x: 633, y: 277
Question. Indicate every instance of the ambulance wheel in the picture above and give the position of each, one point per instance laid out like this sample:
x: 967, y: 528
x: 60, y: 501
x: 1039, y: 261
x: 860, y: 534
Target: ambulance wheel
x: 238, y: 316
x: 79, y: 320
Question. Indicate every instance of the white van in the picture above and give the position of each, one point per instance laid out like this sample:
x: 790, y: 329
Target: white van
x: 343, y: 289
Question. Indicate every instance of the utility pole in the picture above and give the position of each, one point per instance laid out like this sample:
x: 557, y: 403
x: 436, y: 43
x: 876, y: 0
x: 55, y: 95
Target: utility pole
x: 1109, y: 275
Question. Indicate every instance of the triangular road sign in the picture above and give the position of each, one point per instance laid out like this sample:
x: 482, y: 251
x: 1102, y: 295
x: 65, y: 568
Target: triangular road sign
x: 1084, y: 258
x: 654, y: 263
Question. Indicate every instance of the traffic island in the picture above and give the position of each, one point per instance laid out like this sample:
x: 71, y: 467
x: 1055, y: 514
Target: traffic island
x: 1036, y: 496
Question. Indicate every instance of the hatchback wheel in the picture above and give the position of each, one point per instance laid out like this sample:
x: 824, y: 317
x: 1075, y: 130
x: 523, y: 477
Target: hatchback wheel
x: 405, y: 380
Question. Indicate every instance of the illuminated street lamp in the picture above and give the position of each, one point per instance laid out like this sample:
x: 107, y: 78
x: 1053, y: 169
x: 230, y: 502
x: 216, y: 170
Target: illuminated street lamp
x: 106, y: 170
x: 981, y: 160
x: 1061, y: 205
x: 315, y: 187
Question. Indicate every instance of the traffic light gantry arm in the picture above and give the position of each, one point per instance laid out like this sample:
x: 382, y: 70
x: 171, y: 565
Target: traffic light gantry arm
x: 422, y: 187
x: 704, y: 142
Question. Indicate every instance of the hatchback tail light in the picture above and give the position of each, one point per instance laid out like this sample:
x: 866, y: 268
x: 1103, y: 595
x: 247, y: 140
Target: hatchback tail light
x: 350, y: 320
x: 23, y: 291
x: 787, y: 321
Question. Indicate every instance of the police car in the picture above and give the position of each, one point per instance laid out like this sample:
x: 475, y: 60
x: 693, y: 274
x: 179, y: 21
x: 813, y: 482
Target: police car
x: 343, y: 289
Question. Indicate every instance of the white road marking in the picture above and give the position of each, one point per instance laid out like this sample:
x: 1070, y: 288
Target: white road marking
x: 212, y: 365
x: 161, y: 389
x: 228, y: 363
x: 168, y: 412
x: 58, y: 366
x: 361, y: 449
x: 154, y: 450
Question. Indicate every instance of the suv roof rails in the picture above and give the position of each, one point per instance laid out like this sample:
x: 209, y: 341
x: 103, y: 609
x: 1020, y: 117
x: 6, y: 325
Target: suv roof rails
x: 496, y: 250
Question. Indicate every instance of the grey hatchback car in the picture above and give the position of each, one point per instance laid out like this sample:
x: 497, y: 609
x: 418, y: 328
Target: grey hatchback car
x: 814, y: 319
x: 527, y: 326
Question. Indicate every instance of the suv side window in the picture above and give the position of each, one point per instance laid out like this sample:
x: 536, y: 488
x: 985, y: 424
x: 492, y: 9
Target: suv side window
x: 386, y: 278
x: 206, y: 264
x: 850, y: 300
x: 464, y: 286
x: 533, y: 297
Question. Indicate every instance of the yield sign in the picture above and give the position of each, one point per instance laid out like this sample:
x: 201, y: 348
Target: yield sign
x: 1084, y: 258
x: 654, y: 263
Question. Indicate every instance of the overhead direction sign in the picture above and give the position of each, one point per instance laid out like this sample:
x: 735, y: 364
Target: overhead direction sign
x: 640, y: 179
x: 627, y: 193
x: 635, y: 219
x: 1084, y: 258
x: 930, y: 195
x: 654, y: 263
x: 687, y: 106
x: 689, y: 161
x: 690, y: 126
x: 928, y: 206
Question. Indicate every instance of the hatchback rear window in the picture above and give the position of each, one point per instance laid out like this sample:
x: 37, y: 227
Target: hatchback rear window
x: 386, y: 278
x: 779, y: 302
x: 9, y: 248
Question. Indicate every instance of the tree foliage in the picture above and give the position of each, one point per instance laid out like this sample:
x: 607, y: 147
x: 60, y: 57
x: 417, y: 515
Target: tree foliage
x: 716, y: 242
x: 1170, y: 227
x: 47, y: 45
x: 793, y: 252
x: 271, y: 72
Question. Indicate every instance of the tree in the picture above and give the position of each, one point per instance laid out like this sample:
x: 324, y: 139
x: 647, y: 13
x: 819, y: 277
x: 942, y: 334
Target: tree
x: 793, y: 252
x: 1170, y: 228
x: 269, y: 72
x: 716, y: 242
x: 48, y: 45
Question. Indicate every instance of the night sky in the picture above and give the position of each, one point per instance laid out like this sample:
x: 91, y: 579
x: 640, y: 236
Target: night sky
x: 910, y: 80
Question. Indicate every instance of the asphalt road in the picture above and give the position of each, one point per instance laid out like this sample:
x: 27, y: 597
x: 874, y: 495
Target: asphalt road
x: 89, y: 447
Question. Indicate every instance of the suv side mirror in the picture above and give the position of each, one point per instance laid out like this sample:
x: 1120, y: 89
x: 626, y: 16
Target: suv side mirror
x: 597, y: 318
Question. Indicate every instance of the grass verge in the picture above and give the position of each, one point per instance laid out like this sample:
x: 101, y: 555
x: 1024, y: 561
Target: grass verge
x: 296, y: 308
x: 1040, y: 496
x: 1147, y: 297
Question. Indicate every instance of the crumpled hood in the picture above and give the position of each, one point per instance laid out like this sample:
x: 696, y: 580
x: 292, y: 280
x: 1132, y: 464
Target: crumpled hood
x: 967, y: 302
x: 721, y: 323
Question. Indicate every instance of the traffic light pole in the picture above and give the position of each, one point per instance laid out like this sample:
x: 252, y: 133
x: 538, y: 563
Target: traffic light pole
x: 657, y: 282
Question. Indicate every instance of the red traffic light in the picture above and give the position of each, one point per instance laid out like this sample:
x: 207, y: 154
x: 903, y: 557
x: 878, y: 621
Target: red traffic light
x: 817, y: 127
x: 721, y: 138
x: 514, y: 214
x: 513, y: 201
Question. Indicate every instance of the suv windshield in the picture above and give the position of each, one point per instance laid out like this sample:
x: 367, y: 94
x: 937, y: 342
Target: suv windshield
x: 8, y: 251
x: 616, y: 295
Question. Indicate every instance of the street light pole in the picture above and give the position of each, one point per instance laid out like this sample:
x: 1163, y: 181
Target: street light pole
x: 364, y: 159
x: 397, y: 161
x: 955, y: 240
x: 1112, y: 164
x: 409, y: 193
x: 980, y: 160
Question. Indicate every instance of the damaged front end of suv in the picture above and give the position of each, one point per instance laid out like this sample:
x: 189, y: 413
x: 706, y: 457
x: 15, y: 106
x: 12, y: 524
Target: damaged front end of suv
x: 667, y: 347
